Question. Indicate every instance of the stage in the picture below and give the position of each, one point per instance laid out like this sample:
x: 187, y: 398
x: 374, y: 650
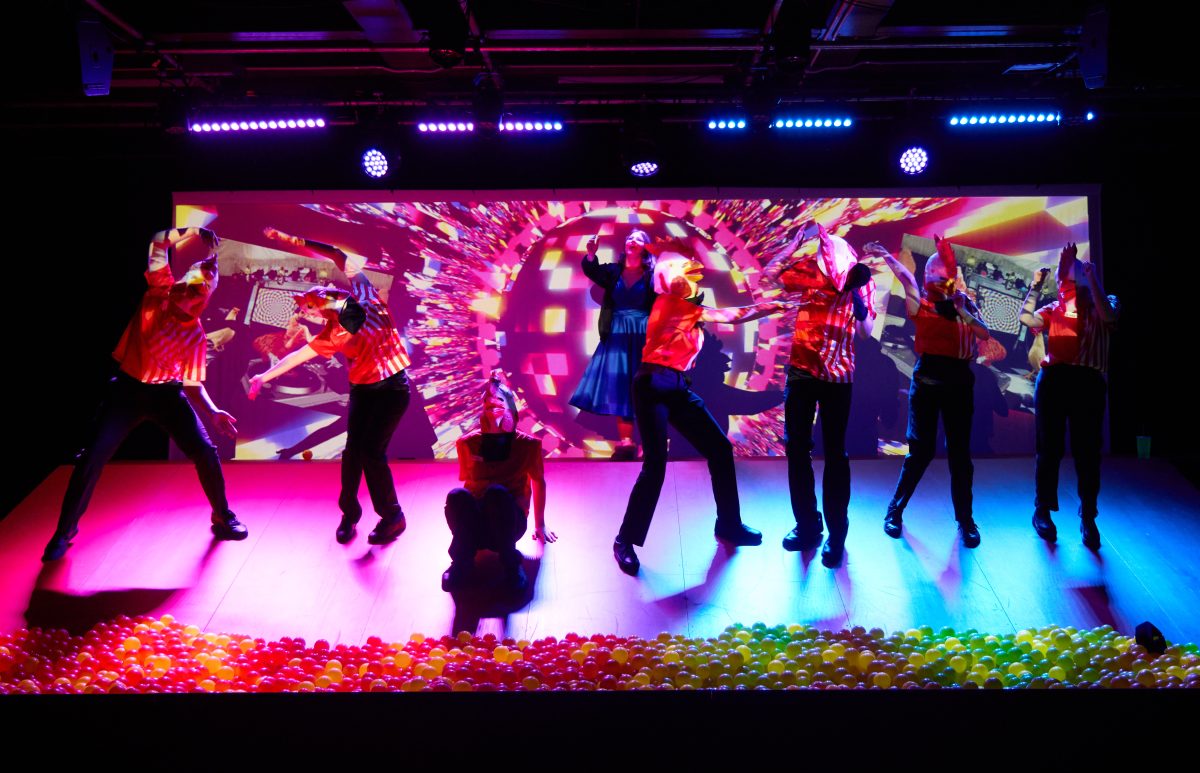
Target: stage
x: 144, y: 549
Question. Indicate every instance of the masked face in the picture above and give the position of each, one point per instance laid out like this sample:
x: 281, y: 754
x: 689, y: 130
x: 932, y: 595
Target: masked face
x: 941, y: 271
x: 313, y: 302
x: 677, y: 275
x: 190, y: 294
x: 499, y: 414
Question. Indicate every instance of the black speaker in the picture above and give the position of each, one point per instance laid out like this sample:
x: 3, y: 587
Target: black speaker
x: 95, y: 57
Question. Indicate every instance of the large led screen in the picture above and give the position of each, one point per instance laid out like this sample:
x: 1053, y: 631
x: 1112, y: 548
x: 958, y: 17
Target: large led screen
x: 478, y: 281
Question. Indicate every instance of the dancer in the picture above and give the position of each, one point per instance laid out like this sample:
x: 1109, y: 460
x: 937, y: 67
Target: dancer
x: 162, y: 357
x: 661, y: 395
x: 947, y: 326
x: 501, y: 470
x: 1070, y: 387
x: 606, y: 385
x: 835, y: 293
x: 358, y: 325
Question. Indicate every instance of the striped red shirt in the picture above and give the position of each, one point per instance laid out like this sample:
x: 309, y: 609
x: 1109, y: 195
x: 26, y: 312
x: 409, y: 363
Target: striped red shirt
x: 940, y: 336
x: 376, y: 351
x: 823, y: 341
x: 1079, y: 340
x: 159, y: 344
x: 672, y: 336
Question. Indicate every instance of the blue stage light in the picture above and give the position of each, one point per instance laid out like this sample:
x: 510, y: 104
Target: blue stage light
x: 374, y: 163
x: 914, y: 160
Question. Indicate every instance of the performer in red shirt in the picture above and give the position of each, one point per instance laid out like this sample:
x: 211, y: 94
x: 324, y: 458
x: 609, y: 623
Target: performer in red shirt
x: 357, y: 325
x: 162, y: 359
x: 661, y: 395
x: 1070, y: 387
x: 948, y: 325
x: 501, y: 470
x: 835, y: 293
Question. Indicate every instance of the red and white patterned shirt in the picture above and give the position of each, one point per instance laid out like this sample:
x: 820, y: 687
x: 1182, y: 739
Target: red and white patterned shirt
x: 823, y: 341
x: 376, y: 351
x: 673, y: 337
x: 940, y: 336
x: 160, y: 345
x: 1078, y: 340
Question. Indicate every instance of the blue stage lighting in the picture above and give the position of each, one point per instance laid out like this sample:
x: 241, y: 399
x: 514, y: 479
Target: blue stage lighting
x: 374, y: 163
x: 914, y: 160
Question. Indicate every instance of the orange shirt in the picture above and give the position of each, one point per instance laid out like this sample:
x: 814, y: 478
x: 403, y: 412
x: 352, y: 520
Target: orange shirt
x: 159, y: 344
x: 523, y: 464
x: 376, y: 351
x: 672, y: 336
x: 823, y: 341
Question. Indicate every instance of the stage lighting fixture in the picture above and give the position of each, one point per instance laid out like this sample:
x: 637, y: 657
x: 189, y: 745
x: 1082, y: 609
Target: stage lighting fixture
x: 914, y: 160
x: 727, y: 123
x: 374, y: 163
x: 205, y: 124
x: 447, y: 36
x: 792, y: 122
x: 1006, y: 118
x: 643, y: 168
x: 512, y: 124
x: 453, y: 126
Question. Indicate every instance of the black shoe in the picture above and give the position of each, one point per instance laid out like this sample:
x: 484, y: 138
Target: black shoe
x: 228, y: 527
x: 893, y: 523
x: 624, y: 453
x: 738, y: 534
x: 58, y: 545
x: 456, y: 577
x: 516, y: 579
x: 969, y: 533
x: 387, y: 530
x: 801, y: 540
x: 347, y: 529
x: 1091, y: 535
x: 832, y: 553
x: 626, y: 558
x: 1044, y: 526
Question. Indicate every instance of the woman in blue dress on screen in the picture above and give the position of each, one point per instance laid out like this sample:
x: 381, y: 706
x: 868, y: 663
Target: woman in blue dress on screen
x: 606, y: 386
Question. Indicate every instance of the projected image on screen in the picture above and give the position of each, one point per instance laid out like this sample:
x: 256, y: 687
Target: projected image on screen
x: 480, y: 284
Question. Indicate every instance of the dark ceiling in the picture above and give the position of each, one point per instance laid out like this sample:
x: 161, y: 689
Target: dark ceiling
x: 583, y: 60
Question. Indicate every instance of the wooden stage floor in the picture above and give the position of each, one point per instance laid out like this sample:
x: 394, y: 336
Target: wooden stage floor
x: 144, y: 548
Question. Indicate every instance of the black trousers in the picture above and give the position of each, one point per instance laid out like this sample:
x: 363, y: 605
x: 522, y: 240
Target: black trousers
x: 804, y: 393
x: 950, y: 394
x: 128, y: 404
x: 375, y: 412
x: 1074, y: 395
x: 662, y: 397
x: 493, y: 522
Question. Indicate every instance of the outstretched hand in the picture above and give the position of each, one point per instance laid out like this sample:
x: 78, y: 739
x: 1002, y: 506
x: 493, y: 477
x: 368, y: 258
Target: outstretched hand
x: 256, y: 385
x: 544, y: 535
x: 1070, y: 252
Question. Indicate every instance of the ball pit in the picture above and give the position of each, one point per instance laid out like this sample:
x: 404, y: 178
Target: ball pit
x: 148, y: 655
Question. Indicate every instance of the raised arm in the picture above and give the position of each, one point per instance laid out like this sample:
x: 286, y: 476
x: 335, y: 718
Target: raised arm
x: 781, y: 260
x: 1029, y: 316
x: 162, y: 242
x: 1104, y: 309
x: 314, y: 249
x: 591, y: 265
x: 912, y: 291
